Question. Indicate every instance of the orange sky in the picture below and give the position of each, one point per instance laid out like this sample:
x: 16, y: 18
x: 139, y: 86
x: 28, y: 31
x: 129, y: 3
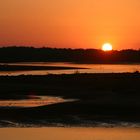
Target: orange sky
x: 70, y: 23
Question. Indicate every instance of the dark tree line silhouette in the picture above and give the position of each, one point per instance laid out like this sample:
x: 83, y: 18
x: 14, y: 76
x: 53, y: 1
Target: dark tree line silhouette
x: 31, y: 54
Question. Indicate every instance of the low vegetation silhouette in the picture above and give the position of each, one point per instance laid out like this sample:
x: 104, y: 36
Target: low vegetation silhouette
x: 31, y: 54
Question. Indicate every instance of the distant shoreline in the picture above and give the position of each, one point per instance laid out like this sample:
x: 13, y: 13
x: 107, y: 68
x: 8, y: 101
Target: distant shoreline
x: 94, y: 56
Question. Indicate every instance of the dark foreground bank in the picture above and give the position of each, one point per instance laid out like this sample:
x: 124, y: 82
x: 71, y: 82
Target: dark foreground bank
x: 106, y: 98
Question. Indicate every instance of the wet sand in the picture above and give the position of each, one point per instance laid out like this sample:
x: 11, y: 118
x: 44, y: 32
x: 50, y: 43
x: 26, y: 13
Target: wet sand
x: 69, y: 133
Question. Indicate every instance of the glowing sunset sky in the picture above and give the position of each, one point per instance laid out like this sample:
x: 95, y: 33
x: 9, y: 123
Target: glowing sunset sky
x: 70, y: 23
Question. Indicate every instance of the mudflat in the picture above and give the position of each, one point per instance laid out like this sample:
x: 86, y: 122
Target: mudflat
x: 106, y: 98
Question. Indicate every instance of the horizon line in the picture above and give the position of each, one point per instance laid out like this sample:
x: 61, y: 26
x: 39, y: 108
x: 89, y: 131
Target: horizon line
x: 35, y: 47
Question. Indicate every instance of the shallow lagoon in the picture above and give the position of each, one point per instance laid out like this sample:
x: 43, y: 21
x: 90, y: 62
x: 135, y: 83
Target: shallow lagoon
x: 90, y: 68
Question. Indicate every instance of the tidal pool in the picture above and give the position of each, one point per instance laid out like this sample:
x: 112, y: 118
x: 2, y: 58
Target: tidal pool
x: 33, y: 101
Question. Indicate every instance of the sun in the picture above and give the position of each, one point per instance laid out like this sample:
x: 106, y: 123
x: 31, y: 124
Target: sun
x: 107, y: 47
